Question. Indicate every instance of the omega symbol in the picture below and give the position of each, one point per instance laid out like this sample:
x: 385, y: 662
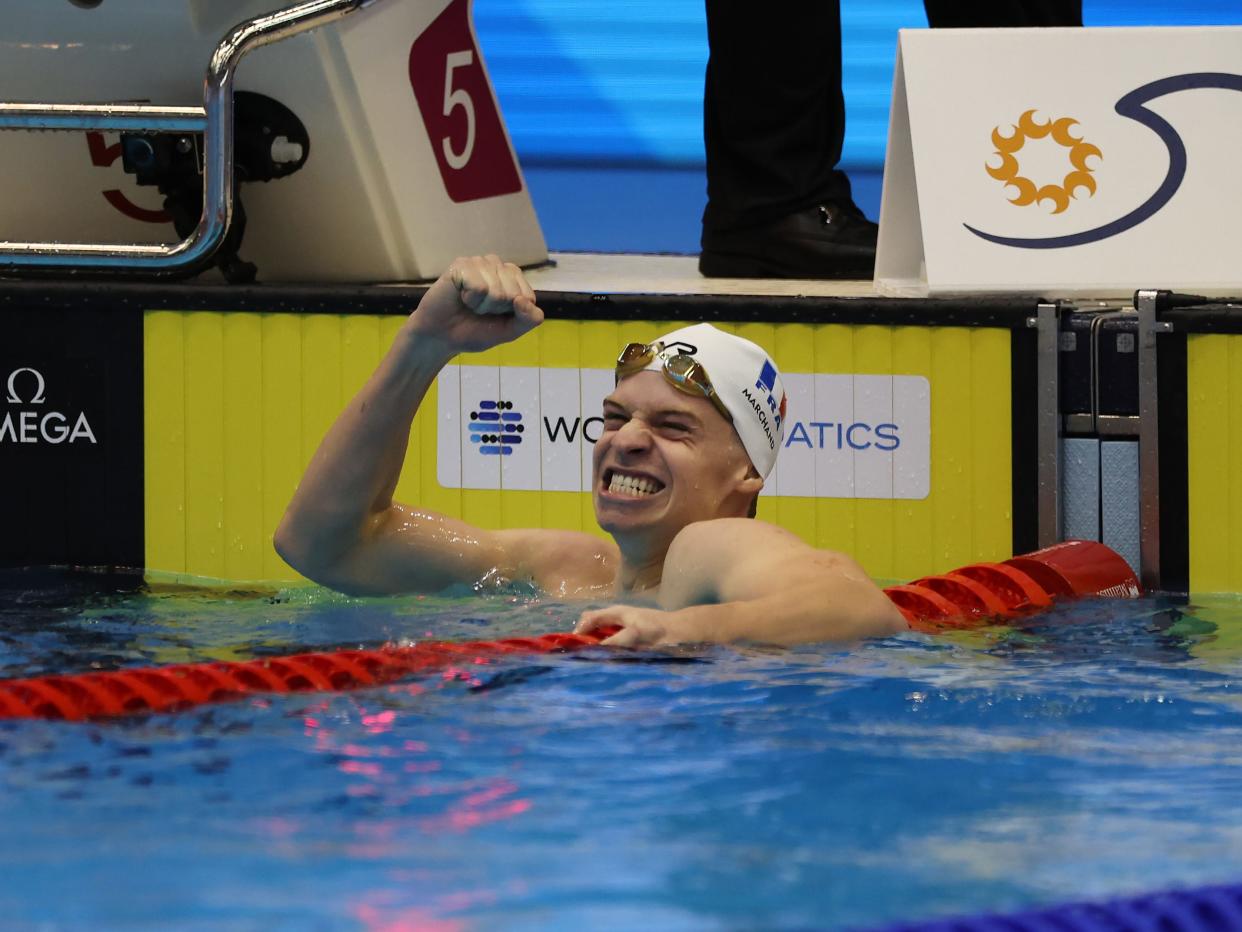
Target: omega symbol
x: 37, y: 398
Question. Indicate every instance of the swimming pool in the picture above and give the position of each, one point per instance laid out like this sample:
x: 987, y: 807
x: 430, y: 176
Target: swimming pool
x: 1090, y: 752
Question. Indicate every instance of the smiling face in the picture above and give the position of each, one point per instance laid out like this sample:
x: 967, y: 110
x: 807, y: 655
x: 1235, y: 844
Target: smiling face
x: 664, y: 460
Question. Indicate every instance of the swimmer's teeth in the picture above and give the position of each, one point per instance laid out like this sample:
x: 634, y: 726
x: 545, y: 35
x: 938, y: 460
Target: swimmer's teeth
x: 631, y: 485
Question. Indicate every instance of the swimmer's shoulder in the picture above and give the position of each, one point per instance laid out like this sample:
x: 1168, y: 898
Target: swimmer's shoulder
x: 563, y: 563
x: 725, y: 535
x: 705, y: 554
x: 708, y: 560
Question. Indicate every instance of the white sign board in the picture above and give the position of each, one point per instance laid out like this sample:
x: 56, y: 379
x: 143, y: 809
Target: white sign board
x: 1063, y: 162
x: 515, y: 427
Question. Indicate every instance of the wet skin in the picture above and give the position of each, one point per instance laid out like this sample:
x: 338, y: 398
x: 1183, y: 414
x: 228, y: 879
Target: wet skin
x: 671, y: 483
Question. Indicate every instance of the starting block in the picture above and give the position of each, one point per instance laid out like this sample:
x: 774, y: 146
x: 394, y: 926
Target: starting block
x: 397, y: 160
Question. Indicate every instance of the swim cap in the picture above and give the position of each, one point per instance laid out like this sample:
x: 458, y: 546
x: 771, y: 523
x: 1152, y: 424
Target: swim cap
x: 746, y: 381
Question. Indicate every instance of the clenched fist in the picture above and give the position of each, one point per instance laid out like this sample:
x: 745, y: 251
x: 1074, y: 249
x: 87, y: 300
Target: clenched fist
x: 479, y: 302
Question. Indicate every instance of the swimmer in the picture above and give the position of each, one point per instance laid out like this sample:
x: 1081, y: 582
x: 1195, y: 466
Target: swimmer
x: 690, y: 432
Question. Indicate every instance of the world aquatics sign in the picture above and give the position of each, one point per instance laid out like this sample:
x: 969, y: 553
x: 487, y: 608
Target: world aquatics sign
x: 533, y: 428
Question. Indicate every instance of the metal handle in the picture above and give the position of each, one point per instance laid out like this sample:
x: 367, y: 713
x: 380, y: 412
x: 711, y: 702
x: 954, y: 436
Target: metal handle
x: 214, y: 120
x: 1146, y: 304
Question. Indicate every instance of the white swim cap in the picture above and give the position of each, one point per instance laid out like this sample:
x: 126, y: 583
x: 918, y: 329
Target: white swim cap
x: 745, y: 380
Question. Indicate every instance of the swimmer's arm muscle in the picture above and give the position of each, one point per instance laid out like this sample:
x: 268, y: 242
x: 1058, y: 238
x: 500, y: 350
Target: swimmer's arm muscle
x: 342, y: 527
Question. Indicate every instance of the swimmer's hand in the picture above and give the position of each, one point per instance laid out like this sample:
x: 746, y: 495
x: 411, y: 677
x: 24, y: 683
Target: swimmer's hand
x: 640, y: 627
x: 479, y: 302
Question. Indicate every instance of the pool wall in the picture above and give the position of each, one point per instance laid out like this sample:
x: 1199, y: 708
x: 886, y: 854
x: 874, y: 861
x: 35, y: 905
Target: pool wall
x: 235, y: 405
x: 238, y: 386
x: 1214, y: 460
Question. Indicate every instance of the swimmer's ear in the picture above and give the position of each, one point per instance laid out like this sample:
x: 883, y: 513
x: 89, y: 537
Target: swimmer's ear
x: 751, y: 483
x: 749, y: 487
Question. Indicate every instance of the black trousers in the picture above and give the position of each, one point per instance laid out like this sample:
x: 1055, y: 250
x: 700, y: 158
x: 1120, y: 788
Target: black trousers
x: 773, y: 113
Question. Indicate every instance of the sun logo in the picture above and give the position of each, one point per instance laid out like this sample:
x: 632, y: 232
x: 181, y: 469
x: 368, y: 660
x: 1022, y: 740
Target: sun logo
x: 1028, y: 192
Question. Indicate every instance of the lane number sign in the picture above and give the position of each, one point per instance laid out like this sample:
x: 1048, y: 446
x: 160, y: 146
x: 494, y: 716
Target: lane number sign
x: 458, y: 110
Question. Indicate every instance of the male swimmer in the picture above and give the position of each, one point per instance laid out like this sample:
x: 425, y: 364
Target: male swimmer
x: 689, y: 435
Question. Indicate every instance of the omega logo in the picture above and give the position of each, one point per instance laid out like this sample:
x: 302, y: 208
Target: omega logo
x: 40, y: 385
x: 27, y: 386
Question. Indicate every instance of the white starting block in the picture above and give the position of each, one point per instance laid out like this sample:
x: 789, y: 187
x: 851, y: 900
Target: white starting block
x: 1063, y: 162
x: 409, y: 163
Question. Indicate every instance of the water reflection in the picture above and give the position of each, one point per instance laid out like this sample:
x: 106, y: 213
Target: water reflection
x: 1089, y: 751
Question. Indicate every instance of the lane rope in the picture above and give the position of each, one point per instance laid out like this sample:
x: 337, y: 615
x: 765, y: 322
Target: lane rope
x: 970, y: 597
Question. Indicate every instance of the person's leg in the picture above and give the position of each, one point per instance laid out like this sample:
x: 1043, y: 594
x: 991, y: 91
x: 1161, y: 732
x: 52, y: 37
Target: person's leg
x: 773, y: 113
x: 773, y: 123
x: 982, y: 13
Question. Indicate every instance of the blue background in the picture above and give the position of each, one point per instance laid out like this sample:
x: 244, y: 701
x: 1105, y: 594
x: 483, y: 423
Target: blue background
x: 604, y: 105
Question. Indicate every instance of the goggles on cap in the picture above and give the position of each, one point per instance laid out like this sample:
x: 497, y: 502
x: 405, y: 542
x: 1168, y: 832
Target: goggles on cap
x: 683, y: 372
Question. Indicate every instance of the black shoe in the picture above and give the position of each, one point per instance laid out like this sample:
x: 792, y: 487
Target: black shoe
x: 830, y: 241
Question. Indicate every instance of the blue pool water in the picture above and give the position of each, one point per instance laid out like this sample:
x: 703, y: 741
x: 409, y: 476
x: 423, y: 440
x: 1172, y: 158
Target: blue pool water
x: 1092, y: 752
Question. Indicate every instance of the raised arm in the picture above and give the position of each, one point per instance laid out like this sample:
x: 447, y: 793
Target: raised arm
x: 342, y: 527
x: 736, y: 579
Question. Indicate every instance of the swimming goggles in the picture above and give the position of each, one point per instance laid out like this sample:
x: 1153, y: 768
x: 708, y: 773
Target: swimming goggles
x: 683, y: 372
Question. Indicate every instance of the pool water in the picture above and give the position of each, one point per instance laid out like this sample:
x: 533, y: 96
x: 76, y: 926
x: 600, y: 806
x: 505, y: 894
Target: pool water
x: 1094, y: 751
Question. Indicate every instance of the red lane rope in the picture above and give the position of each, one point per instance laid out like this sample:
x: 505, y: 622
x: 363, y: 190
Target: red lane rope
x: 167, y: 689
x: 976, y: 595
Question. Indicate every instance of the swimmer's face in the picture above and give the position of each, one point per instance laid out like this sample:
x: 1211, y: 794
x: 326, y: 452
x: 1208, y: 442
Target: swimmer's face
x: 666, y: 459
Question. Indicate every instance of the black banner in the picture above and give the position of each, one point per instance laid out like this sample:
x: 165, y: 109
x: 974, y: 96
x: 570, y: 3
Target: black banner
x: 71, y: 461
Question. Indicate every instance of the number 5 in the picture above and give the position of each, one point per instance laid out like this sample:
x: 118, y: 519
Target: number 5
x: 454, y: 99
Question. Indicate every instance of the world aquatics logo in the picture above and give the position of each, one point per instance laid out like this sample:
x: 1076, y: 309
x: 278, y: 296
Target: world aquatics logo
x: 1132, y: 106
x: 496, y: 428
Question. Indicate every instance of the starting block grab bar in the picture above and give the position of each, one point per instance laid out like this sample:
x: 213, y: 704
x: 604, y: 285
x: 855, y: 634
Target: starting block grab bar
x: 214, y: 120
